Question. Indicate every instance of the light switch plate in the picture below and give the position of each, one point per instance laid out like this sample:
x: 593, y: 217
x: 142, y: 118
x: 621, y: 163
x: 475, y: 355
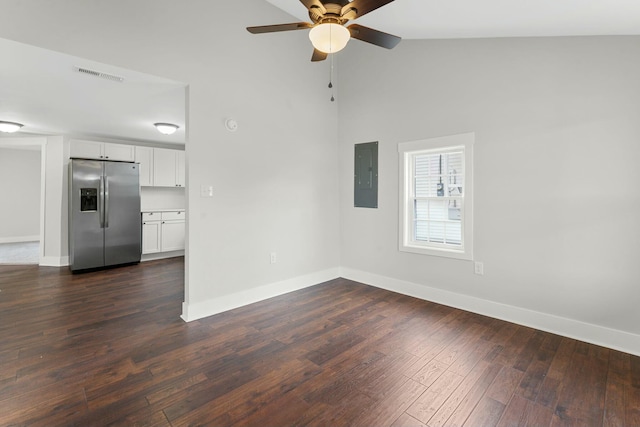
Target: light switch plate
x: 206, y: 191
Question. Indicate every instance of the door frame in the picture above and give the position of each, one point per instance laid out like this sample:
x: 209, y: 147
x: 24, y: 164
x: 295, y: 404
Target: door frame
x: 28, y: 143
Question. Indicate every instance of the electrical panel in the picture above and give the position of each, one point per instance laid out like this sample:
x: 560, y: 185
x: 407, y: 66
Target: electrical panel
x: 365, y: 184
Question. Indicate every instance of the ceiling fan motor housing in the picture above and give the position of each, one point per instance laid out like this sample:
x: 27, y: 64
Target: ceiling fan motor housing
x: 333, y: 13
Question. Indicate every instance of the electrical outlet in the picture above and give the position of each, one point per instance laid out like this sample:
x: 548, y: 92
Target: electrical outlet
x: 479, y: 268
x: 274, y: 257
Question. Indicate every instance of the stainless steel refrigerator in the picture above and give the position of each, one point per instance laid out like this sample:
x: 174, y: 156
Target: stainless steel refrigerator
x: 104, y: 214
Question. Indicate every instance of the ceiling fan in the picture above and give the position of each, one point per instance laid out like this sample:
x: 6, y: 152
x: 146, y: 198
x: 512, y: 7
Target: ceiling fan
x: 328, y: 32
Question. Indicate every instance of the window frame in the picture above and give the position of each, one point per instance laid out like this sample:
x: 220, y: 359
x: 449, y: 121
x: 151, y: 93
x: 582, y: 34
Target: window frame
x: 406, y: 153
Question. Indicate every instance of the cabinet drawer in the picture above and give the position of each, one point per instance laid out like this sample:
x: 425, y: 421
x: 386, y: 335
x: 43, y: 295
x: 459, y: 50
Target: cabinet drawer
x: 151, y: 216
x: 173, y: 215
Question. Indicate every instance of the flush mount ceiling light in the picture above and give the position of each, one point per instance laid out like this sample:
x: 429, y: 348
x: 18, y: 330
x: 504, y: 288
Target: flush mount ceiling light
x: 10, y: 127
x: 166, y: 128
x: 329, y: 38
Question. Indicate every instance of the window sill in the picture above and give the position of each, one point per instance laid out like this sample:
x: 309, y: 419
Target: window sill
x: 444, y: 253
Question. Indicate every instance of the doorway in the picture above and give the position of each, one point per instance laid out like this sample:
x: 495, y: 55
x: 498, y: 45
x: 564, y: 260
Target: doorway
x: 22, y: 194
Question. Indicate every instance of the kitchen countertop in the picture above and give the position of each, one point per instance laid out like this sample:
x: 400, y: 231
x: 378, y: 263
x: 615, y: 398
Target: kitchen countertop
x: 162, y: 210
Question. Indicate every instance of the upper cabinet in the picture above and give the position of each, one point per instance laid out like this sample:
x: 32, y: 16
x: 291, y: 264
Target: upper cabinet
x: 159, y: 167
x: 180, y: 169
x: 101, y: 150
x: 168, y: 168
x: 144, y: 156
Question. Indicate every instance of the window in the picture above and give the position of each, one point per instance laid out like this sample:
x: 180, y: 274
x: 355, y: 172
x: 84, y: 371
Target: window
x: 436, y: 189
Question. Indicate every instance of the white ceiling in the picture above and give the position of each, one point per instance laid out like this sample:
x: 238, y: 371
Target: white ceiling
x: 431, y: 19
x: 44, y: 91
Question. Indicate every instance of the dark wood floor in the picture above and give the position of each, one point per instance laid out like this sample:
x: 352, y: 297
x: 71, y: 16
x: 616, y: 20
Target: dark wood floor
x: 108, y: 348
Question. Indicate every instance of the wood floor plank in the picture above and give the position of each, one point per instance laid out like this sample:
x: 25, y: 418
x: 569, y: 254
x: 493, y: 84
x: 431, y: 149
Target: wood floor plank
x: 487, y: 413
x: 392, y: 404
x: 614, y: 404
x: 514, y: 414
x: 473, y: 397
x: 448, y: 409
x: 427, y: 404
x: 505, y: 384
x: 587, y: 373
x: 405, y: 420
x: 548, y: 394
x: 108, y: 348
x: 343, y: 413
x: 430, y: 372
x: 635, y: 371
x: 632, y: 406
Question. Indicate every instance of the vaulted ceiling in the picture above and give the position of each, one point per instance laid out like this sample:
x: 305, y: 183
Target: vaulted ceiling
x: 437, y: 19
x: 45, y: 91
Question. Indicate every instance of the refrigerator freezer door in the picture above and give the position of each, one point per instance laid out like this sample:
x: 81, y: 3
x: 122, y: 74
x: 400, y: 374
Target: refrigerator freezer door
x: 86, y: 243
x: 123, y: 226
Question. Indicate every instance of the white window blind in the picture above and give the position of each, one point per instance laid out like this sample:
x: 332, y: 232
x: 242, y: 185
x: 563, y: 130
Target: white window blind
x: 438, y: 197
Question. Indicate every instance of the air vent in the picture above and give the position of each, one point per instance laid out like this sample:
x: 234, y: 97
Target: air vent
x: 100, y: 74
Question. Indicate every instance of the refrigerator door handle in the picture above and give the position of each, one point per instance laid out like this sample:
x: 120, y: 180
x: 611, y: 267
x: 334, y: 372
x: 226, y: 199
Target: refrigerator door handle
x: 101, y: 202
x: 106, y: 202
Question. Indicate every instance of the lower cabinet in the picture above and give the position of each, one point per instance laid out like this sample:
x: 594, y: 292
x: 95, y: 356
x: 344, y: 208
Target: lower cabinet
x: 172, y: 236
x: 162, y: 231
x: 151, y: 237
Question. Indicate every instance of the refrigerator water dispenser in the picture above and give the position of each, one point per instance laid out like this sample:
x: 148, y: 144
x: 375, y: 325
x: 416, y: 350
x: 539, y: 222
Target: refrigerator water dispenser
x: 88, y: 200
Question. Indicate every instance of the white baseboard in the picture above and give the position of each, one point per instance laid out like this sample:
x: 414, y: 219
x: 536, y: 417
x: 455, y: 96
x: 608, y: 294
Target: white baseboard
x: 52, y: 261
x: 161, y: 255
x: 594, y: 334
x: 198, y: 310
x: 19, y: 239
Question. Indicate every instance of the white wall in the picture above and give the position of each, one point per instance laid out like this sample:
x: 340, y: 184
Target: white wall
x: 275, y: 179
x: 556, y: 201
x: 56, y: 247
x: 20, y: 194
x: 162, y: 198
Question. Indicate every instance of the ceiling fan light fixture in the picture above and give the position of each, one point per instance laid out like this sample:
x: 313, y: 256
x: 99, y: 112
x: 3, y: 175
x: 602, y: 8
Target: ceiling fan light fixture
x: 329, y: 37
x: 166, y: 128
x: 10, y: 127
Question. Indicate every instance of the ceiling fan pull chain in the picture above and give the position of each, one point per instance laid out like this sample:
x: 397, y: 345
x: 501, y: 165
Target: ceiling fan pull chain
x: 330, y: 79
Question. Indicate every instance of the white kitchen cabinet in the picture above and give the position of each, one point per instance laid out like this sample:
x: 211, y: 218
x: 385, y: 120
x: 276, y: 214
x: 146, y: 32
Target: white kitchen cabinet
x: 172, y: 231
x: 82, y: 149
x: 168, y: 168
x: 172, y: 236
x: 151, y: 237
x: 163, y: 231
x: 180, y: 169
x: 125, y: 153
x: 144, y: 156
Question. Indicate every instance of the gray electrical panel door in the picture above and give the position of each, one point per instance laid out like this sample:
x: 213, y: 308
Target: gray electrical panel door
x: 365, y: 184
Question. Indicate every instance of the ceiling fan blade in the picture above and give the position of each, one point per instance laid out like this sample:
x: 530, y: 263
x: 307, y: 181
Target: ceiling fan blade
x: 318, y: 56
x: 363, y: 7
x: 279, y: 27
x: 314, y: 4
x: 372, y: 36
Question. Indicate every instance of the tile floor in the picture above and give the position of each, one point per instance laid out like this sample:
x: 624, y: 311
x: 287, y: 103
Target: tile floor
x: 20, y: 253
